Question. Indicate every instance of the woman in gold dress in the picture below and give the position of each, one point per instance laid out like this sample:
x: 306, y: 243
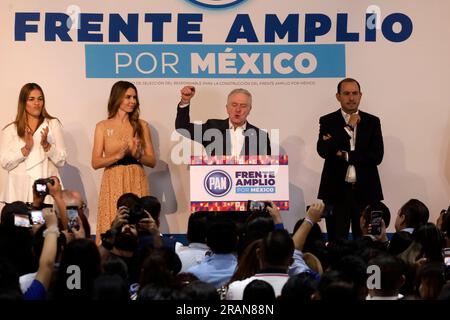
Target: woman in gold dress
x: 123, y: 146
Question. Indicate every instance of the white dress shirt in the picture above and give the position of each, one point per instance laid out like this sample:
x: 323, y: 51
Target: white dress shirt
x: 23, y: 171
x: 237, y: 138
x: 351, y: 172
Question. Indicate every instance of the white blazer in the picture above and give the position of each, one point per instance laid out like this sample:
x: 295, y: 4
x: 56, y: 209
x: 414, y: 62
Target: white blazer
x: 23, y: 171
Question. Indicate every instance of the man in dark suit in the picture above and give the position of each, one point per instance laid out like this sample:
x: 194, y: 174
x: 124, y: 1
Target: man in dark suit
x: 351, y: 143
x: 232, y: 136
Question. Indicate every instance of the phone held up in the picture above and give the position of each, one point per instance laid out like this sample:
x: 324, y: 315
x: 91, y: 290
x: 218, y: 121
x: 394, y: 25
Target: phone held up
x: 72, y: 215
x: 257, y: 205
x: 37, y: 217
x: 375, y: 221
x: 22, y: 220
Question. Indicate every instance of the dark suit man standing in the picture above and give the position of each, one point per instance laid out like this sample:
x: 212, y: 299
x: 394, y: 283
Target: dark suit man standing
x: 233, y: 136
x: 351, y: 143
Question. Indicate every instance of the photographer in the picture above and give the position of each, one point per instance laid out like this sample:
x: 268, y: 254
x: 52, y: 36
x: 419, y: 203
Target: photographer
x: 131, y: 225
x: 50, y: 186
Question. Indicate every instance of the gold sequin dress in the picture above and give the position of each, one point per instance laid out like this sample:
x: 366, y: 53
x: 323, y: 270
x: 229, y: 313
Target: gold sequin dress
x: 117, y: 179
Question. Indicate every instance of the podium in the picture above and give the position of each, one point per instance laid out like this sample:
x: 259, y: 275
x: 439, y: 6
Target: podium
x: 226, y: 183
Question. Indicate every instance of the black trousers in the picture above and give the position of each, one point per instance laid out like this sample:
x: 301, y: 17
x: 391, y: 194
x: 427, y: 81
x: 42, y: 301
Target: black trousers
x: 344, y: 213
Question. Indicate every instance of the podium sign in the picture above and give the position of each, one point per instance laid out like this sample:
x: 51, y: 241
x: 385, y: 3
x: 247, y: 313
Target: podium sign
x: 224, y: 183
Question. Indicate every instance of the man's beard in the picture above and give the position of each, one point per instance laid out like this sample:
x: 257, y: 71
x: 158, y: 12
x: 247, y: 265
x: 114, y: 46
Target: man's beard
x: 126, y: 241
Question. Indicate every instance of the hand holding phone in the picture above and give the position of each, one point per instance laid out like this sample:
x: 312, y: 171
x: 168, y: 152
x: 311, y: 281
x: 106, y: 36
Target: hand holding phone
x: 72, y: 215
x: 37, y: 217
x: 256, y: 205
x: 375, y: 222
x: 22, y: 220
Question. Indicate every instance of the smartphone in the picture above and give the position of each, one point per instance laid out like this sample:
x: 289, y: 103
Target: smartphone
x: 22, y: 220
x: 256, y: 205
x: 72, y: 214
x: 37, y: 217
x: 446, y: 253
x: 375, y: 221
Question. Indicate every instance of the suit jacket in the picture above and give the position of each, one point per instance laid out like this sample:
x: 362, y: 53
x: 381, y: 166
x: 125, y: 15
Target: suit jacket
x: 400, y: 241
x: 212, y: 131
x: 367, y: 155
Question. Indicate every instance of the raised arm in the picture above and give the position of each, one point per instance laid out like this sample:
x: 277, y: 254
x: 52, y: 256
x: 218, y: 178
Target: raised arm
x: 48, y: 255
x: 313, y: 215
x: 183, y: 121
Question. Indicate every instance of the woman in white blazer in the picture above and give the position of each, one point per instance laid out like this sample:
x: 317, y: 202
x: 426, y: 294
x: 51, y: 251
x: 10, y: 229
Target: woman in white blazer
x: 32, y: 146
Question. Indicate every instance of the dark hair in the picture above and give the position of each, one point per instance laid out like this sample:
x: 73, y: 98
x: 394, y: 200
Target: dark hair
x: 277, y: 248
x: 347, y: 80
x: 153, y: 291
x: 354, y: 268
x: 196, y: 230
x: 128, y: 200
x: 431, y: 240
x: 16, y: 245
x: 257, y: 226
x: 259, y: 291
x: 160, y: 268
x: 200, y: 291
x: 299, y: 288
x: 114, y: 265
x: 10, y: 209
x: 416, y: 213
x: 392, y: 270
x: 9, y: 281
x: 433, y: 275
x: 110, y: 287
x: 248, y: 263
x: 153, y: 206
x: 334, y: 286
x: 221, y: 236
x: 84, y: 254
x: 378, y: 206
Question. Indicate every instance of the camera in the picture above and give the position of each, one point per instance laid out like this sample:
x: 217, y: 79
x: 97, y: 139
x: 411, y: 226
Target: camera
x: 136, y: 214
x: 257, y: 205
x: 40, y: 186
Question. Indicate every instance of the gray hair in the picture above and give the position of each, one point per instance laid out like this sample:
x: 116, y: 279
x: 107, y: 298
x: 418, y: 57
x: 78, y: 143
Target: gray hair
x: 243, y: 91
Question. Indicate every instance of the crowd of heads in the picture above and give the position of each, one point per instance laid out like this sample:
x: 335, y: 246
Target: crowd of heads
x: 137, y: 262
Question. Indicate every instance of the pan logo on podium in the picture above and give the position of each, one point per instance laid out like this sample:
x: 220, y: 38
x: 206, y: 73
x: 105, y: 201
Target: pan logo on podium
x: 224, y: 183
x: 216, y: 4
x: 218, y: 183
